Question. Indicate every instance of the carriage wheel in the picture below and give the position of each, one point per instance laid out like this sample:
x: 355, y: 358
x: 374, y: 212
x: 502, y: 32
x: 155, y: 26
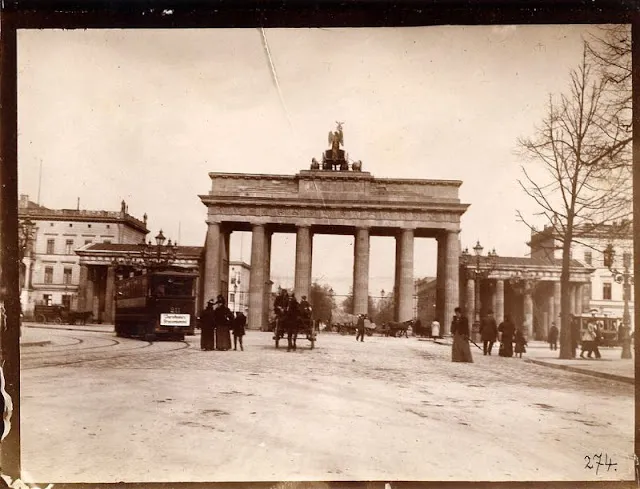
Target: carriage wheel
x: 40, y: 318
x: 58, y: 320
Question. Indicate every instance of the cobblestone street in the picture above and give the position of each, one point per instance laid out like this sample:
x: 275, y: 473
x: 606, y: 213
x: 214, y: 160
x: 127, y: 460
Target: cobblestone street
x: 100, y: 408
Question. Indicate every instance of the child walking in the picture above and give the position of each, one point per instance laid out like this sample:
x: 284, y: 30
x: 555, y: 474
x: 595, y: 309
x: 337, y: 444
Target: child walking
x: 520, y: 342
x: 239, y: 322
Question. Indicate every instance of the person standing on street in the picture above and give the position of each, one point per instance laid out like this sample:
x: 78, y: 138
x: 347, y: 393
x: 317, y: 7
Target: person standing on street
x: 460, y: 351
x: 553, y: 337
x: 239, y: 323
x: 488, y: 332
x: 435, y: 329
x: 291, y: 321
x: 207, y: 328
x: 360, y: 327
x: 521, y: 342
x: 223, y: 319
x: 507, y: 330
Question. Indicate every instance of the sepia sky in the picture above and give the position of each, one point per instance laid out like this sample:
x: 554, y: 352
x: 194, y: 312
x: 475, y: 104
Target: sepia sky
x: 144, y: 115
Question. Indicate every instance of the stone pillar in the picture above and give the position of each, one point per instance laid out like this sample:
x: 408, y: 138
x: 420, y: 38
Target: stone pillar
x: 452, y: 272
x: 499, y: 310
x: 302, y: 281
x: 557, y: 306
x: 256, y: 277
x: 471, y: 300
x: 440, y: 278
x: 579, y: 296
x: 396, y: 282
x: 551, y: 308
x: 83, y: 288
x: 572, y: 298
x: 361, y: 272
x: 109, y: 296
x: 212, y: 272
x: 90, y: 293
x: 267, y: 280
x: 225, y: 240
x: 528, y: 313
x: 406, y: 285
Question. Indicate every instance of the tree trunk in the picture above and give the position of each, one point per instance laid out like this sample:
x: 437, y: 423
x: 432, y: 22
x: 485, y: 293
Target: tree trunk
x: 566, y: 347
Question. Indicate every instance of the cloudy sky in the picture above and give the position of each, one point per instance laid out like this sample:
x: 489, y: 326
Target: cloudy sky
x: 144, y: 115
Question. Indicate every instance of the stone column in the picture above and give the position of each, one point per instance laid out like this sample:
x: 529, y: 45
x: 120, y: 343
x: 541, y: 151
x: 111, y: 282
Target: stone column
x: 83, y: 288
x: 396, y: 281
x: 89, y: 294
x: 212, y: 272
x: 267, y: 280
x: 572, y: 298
x: 361, y: 272
x: 471, y: 300
x: 256, y: 277
x: 499, y: 310
x: 528, y: 312
x: 109, y: 296
x: 406, y: 286
x: 302, y: 281
x: 452, y: 272
x: 225, y: 240
x: 440, y: 276
x: 557, y: 306
x: 579, y: 296
x: 551, y: 308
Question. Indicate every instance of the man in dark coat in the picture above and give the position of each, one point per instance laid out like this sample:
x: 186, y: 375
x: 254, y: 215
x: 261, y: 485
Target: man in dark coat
x: 553, y: 337
x: 488, y: 332
x: 207, y: 335
x: 280, y: 308
x: 508, y: 330
x: 239, y: 323
x: 292, y: 316
x: 460, y: 351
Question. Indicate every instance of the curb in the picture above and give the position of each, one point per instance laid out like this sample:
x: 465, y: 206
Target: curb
x: 35, y: 343
x: 593, y: 373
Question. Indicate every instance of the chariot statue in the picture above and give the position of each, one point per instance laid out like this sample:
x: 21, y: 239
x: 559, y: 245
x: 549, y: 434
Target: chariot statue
x: 335, y: 158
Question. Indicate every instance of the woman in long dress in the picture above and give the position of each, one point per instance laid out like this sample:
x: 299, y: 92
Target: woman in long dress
x: 207, y: 328
x: 460, y: 351
x: 223, y: 319
x: 507, y: 330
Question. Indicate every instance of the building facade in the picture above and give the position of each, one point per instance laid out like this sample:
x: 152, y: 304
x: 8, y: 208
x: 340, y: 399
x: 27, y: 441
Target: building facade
x: 603, y: 295
x: 426, y: 300
x: 50, y: 271
x: 238, y: 299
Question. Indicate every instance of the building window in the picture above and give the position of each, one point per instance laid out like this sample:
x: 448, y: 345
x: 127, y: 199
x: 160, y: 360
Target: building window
x: 107, y: 241
x: 70, y: 225
x: 50, y: 224
x: 588, y: 258
x: 66, y: 301
x: 606, y: 292
x: 68, y: 247
x: 67, y: 276
x: 46, y: 298
x: 108, y: 226
x: 232, y: 298
x: 51, y: 246
x: 89, y: 225
x: 48, y: 275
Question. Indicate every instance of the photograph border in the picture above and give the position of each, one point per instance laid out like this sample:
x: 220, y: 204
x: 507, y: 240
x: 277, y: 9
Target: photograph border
x: 90, y: 14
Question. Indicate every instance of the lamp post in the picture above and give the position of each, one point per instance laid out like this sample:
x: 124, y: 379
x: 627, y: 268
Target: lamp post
x: 625, y: 278
x: 482, y: 268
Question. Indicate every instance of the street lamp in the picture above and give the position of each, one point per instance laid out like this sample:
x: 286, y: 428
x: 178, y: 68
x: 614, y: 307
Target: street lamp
x: 626, y: 279
x: 150, y: 256
x: 481, y: 271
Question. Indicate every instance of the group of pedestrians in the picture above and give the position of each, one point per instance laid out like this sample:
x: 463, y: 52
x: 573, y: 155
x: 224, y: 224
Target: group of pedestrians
x: 217, y: 322
x: 489, y: 330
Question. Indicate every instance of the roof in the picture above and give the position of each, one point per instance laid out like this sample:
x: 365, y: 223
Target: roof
x: 117, y: 248
x: 522, y: 261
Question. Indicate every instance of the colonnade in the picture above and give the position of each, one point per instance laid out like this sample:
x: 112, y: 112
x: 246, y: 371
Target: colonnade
x: 217, y: 245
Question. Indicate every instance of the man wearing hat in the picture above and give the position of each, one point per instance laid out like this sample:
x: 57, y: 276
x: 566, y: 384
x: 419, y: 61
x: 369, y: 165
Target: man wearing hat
x: 488, y: 332
x: 223, y: 319
x: 360, y: 327
x: 207, y: 335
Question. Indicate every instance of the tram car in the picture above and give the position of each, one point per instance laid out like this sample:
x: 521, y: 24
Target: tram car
x: 158, y: 304
x: 607, y: 327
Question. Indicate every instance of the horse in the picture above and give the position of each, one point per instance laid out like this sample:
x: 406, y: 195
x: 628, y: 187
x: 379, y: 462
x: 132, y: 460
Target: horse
x: 398, y: 329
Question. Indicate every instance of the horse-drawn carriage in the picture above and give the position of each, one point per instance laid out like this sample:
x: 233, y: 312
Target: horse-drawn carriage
x: 396, y: 330
x: 305, y: 326
x: 59, y: 314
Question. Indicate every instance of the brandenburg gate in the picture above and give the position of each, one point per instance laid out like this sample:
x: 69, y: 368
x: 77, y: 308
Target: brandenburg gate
x: 333, y: 198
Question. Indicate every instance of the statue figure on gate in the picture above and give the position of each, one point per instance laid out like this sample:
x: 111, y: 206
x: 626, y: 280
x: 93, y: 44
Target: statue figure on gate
x: 336, y: 139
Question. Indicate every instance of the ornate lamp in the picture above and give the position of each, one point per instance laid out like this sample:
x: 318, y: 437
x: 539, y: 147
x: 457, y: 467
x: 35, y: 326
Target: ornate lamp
x: 625, y: 278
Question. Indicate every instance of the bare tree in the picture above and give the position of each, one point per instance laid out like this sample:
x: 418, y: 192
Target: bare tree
x: 580, y: 174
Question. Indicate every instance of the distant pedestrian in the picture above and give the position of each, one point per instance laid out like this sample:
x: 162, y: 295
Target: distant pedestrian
x: 292, y: 317
x: 239, y: 323
x: 488, y: 332
x: 460, y: 351
x: 506, y: 329
x: 360, y: 327
x: 435, y: 329
x: 207, y: 328
x: 590, y: 341
x: 553, y: 337
x: 520, y: 342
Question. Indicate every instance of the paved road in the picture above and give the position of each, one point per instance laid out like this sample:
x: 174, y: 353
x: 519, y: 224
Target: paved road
x: 100, y: 408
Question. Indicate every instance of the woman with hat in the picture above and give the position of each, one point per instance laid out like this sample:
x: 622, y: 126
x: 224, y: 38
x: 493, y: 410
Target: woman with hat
x: 207, y: 335
x: 222, y: 320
